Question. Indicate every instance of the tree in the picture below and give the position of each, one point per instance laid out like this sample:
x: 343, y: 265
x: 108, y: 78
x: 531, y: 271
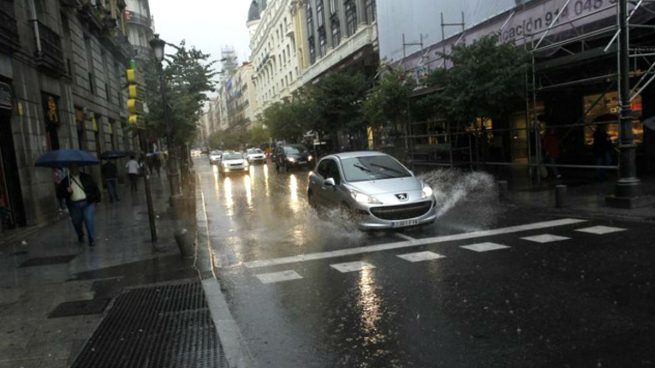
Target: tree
x: 337, y: 100
x: 188, y: 78
x: 259, y: 135
x: 486, y: 80
x: 290, y: 119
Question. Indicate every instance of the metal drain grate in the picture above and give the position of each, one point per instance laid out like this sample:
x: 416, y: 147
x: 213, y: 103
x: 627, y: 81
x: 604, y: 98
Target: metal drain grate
x: 44, y: 261
x: 81, y: 307
x: 156, y: 327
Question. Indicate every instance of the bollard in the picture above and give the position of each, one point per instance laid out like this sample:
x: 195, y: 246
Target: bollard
x: 502, y: 188
x: 560, y: 196
x: 185, y: 243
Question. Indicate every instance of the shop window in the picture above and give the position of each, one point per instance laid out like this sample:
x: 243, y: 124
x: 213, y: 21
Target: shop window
x: 604, y: 110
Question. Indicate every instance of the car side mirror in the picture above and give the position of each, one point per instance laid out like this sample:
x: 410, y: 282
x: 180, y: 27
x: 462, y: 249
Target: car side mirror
x: 329, y: 182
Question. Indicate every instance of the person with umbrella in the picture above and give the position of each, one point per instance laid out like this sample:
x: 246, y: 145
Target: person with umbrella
x: 81, y: 193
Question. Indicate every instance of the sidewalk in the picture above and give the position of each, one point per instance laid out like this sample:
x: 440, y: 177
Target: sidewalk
x: 46, y: 267
x: 584, y: 199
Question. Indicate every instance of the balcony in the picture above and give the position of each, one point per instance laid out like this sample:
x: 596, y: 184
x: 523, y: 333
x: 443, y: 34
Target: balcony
x: 8, y: 29
x: 49, y: 55
x: 136, y: 18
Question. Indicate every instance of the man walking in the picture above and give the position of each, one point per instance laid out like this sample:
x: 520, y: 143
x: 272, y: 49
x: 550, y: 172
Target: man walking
x: 110, y: 173
x: 81, y: 194
x: 133, y: 171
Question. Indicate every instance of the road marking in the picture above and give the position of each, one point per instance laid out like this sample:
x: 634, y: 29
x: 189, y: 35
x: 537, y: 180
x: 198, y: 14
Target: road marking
x: 406, y: 237
x: 409, y: 244
x: 269, y: 278
x: 600, y: 230
x: 484, y: 247
x: 420, y: 256
x: 545, y: 238
x: 352, y: 266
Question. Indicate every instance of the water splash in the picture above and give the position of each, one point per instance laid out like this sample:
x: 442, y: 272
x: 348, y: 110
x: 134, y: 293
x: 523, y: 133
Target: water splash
x: 469, y: 199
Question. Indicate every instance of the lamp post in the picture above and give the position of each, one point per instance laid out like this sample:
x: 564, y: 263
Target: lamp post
x: 628, y: 186
x: 158, y: 45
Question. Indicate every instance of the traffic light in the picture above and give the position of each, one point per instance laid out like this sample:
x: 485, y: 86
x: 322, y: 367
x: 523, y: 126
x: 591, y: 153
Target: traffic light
x: 136, y: 95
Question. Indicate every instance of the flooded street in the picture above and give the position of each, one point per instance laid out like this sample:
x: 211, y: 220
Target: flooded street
x: 488, y: 285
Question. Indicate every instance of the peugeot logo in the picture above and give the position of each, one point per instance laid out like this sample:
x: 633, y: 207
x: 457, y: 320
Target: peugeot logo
x: 402, y: 196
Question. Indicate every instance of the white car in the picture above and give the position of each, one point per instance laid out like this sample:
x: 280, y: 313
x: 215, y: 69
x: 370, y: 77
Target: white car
x: 233, y: 162
x: 215, y: 157
x: 254, y: 155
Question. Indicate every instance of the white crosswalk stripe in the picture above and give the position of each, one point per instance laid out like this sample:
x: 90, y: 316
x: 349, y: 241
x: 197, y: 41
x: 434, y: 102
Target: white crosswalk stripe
x: 545, y: 238
x: 484, y: 247
x: 420, y: 256
x: 600, y: 230
x: 352, y: 266
x: 273, y: 277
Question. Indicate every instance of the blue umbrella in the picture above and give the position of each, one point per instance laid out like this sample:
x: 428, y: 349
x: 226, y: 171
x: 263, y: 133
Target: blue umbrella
x: 65, y: 158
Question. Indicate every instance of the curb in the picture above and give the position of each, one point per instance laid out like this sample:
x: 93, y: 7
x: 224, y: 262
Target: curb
x: 236, y: 350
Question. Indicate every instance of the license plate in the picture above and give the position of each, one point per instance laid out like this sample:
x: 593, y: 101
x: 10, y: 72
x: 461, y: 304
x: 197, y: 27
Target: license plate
x: 302, y: 162
x: 404, y: 223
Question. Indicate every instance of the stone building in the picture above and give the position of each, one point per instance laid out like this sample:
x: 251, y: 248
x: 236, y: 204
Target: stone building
x: 62, y: 85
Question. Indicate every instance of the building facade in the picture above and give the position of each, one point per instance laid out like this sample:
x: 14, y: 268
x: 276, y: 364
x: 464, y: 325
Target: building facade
x: 572, y: 87
x: 139, y: 27
x: 62, y: 66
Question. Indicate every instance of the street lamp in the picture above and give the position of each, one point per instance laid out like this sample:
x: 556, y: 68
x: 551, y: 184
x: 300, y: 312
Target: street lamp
x: 158, y: 45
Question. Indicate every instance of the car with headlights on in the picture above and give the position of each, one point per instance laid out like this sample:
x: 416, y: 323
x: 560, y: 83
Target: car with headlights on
x: 215, y: 157
x: 373, y: 189
x: 255, y: 155
x: 287, y: 156
x: 233, y: 162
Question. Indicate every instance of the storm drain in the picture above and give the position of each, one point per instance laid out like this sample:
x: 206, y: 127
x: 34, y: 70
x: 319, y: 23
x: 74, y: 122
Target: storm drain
x: 44, y: 261
x: 78, y: 308
x: 156, y: 327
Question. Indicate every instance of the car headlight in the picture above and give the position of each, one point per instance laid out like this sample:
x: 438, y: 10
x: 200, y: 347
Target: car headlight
x: 291, y: 159
x: 364, y: 198
x: 427, y: 191
x: 310, y: 157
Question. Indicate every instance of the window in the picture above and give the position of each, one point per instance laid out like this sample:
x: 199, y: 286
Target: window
x: 333, y: 7
x: 351, y: 17
x: 369, y: 10
x: 312, y: 50
x: 336, y: 32
x: 320, y: 19
x: 322, y: 42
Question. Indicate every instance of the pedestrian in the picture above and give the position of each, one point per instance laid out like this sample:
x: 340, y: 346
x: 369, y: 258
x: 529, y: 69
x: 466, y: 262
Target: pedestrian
x: 81, y: 193
x: 57, y: 177
x: 150, y: 162
x: 550, y: 143
x: 156, y: 162
x: 133, y: 171
x: 110, y: 174
x: 601, y: 148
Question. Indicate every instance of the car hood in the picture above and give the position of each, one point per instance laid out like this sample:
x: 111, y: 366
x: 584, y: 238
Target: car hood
x: 384, y: 186
x: 234, y: 162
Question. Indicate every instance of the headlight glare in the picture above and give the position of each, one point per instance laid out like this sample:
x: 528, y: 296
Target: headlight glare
x: 364, y: 198
x: 427, y: 191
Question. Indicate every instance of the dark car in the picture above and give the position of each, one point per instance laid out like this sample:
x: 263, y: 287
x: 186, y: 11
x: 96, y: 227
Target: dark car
x: 287, y: 156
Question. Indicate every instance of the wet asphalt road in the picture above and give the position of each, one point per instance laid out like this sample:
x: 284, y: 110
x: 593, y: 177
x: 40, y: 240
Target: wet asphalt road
x: 579, y: 299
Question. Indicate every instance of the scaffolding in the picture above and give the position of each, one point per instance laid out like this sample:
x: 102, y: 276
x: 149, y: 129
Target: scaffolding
x: 441, y: 144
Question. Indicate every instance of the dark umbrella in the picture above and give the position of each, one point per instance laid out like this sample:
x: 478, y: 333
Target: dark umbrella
x: 65, y: 158
x: 113, y: 155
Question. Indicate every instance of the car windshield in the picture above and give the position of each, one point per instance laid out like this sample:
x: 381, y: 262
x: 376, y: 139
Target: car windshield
x: 294, y: 150
x: 372, y: 168
x: 255, y: 150
x: 215, y: 153
x: 232, y: 156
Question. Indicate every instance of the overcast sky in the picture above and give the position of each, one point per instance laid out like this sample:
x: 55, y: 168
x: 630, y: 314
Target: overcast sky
x: 209, y: 25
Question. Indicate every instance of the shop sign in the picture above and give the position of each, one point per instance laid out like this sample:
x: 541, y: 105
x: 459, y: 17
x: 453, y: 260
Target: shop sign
x: 5, y: 96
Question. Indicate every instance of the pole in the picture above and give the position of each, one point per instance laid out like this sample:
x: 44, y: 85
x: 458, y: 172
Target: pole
x: 171, y: 160
x: 146, y: 182
x: 627, y: 186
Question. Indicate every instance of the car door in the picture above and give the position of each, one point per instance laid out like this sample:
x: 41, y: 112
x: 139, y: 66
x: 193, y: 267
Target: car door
x: 316, y: 181
x: 332, y: 194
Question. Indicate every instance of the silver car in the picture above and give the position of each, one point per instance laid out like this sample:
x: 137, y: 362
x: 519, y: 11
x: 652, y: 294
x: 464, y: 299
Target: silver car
x: 372, y: 187
x: 233, y: 162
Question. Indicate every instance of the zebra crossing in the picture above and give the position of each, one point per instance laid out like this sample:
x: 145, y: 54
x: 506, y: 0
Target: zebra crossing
x: 425, y: 256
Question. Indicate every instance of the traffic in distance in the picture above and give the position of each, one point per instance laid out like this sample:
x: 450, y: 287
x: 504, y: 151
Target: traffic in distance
x: 371, y: 189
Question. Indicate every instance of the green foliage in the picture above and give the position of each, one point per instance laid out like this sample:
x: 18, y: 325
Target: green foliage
x: 290, y: 119
x: 187, y: 78
x: 387, y: 102
x: 486, y: 80
x: 258, y: 135
x: 337, y: 102
x: 232, y: 139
